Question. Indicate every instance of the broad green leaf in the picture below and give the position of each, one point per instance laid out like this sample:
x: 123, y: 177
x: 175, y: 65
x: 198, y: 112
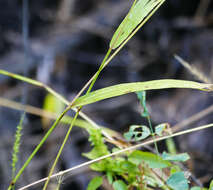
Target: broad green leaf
x: 178, y: 181
x: 137, y: 133
x: 175, y: 157
x: 121, y: 89
x: 137, y: 13
x: 159, y: 129
x: 95, y: 183
x: 153, y: 160
x: 119, y: 185
x: 211, y: 185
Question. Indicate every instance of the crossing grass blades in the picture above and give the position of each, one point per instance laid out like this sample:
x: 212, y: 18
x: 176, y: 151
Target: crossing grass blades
x: 124, y: 167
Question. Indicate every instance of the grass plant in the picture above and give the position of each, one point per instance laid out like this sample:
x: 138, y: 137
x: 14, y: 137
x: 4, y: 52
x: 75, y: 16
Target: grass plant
x: 129, y: 168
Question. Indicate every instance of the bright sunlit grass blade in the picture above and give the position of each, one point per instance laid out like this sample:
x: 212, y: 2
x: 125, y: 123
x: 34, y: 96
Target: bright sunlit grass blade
x: 137, y: 13
x: 35, y: 83
x: 121, y: 89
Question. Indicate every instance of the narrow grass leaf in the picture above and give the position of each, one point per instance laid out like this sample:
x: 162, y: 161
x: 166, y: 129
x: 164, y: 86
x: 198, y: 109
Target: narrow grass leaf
x: 19, y: 77
x: 95, y: 183
x: 137, y: 13
x: 121, y: 89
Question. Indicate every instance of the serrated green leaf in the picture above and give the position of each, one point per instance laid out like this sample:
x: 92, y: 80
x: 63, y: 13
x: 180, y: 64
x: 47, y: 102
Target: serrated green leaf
x: 119, y: 185
x: 121, y: 89
x: 95, y: 183
x: 137, y: 13
x: 159, y: 129
x: 153, y: 160
x: 175, y: 157
x: 99, y: 148
x: 137, y: 133
x: 178, y: 181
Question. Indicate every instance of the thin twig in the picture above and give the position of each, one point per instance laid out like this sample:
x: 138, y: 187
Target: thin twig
x: 193, y: 70
x: 192, y: 119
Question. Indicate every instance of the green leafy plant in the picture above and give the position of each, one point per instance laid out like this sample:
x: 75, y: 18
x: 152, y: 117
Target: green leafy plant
x: 95, y: 183
x: 136, y: 168
x: 123, y: 167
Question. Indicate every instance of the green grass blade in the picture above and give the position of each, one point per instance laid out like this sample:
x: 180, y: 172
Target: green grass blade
x: 34, y: 82
x: 75, y: 117
x: 51, y: 91
x: 137, y: 13
x: 22, y: 78
x: 121, y: 89
x: 36, y: 150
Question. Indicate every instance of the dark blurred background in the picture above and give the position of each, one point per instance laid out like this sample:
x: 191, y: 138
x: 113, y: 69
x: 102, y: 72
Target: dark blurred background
x: 63, y: 48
